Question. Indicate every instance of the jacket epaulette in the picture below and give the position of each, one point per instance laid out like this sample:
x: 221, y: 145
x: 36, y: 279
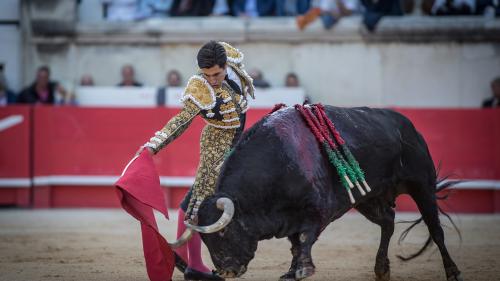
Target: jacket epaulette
x: 235, y: 60
x: 199, y: 91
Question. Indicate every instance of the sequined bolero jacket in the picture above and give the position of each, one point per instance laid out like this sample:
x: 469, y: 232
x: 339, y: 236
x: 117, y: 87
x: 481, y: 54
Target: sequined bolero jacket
x: 219, y: 107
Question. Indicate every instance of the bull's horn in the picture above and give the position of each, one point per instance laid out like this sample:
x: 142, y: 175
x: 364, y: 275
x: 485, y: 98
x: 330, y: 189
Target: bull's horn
x: 182, y: 240
x: 224, y: 204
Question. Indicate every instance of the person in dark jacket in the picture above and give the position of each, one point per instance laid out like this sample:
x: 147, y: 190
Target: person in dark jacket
x: 128, y: 77
x: 42, y: 90
x: 375, y: 10
x: 192, y: 8
x: 258, y: 8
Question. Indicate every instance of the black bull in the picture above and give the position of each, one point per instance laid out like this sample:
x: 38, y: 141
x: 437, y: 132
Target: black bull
x: 282, y: 185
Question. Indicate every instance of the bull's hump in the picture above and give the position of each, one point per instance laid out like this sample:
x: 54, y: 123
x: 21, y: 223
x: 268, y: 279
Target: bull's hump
x: 283, y: 122
x: 297, y: 141
x: 278, y: 116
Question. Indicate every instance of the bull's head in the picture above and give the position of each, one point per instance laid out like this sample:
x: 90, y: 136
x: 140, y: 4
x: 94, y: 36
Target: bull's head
x: 231, y: 247
x: 230, y: 244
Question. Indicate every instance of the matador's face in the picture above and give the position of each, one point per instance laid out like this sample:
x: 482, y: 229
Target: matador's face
x: 214, y: 75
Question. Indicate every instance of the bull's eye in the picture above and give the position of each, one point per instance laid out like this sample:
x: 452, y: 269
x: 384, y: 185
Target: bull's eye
x: 221, y: 233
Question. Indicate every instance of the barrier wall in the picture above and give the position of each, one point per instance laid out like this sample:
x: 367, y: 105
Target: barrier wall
x: 465, y: 143
x: 70, y: 157
x: 79, y: 147
x: 15, y: 155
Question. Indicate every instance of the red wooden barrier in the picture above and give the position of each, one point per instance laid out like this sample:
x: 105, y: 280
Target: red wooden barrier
x: 79, y: 152
x: 15, y: 152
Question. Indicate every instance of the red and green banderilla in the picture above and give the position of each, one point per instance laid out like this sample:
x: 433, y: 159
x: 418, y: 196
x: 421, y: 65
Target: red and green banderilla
x: 348, y: 170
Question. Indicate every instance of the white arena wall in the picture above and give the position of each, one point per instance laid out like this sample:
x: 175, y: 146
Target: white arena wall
x: 411, y: 61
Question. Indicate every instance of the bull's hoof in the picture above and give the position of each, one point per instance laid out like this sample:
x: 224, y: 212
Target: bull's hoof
x: 304, y: 272
x: 457, y: 277
x: 386, y: 276
x: 289, y: 276
x: 453, y: 274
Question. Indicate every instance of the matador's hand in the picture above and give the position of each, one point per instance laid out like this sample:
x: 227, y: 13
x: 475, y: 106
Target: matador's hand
x: 193, y: 221
x: 139, y: 151
x: 191, y: 217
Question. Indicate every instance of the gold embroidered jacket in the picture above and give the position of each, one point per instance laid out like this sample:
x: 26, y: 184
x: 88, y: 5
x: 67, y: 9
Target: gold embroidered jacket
x: 222, y: 109
x: 219, y: 107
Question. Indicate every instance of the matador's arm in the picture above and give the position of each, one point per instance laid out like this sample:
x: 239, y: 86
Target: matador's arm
x: 175, y: 127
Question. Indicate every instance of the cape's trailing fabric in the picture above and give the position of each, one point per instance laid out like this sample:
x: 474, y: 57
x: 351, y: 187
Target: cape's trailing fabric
x: 140, y: 192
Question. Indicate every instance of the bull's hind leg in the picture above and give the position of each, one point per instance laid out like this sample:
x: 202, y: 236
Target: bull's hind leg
x: 381, y: 213
x: 290, y: 275
x: 427, y: 205
x: 304, y: 264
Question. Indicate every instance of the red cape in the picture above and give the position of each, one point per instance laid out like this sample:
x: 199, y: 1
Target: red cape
x: 140, y: 192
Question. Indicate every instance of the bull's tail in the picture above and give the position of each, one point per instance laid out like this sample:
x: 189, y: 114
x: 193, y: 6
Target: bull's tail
x: 442, y: 184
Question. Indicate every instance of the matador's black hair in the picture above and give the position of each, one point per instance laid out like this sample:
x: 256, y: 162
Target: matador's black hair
x: 211, y: 54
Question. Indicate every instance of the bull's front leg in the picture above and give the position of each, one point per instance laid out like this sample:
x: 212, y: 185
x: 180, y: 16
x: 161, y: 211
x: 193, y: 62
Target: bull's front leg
x: 305, y: 266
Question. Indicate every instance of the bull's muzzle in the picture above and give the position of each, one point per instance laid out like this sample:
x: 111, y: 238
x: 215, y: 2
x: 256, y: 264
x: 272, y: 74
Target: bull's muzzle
x: 224, y: 204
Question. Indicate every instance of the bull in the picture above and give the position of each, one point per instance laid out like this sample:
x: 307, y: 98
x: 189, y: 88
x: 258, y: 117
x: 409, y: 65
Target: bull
x: 278, y: 183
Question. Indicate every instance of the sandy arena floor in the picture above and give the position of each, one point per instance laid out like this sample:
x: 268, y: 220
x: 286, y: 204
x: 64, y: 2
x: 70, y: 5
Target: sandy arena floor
x: 106, y: 245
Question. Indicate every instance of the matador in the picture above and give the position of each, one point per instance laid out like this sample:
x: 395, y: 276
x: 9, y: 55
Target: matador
x: 218, y: 93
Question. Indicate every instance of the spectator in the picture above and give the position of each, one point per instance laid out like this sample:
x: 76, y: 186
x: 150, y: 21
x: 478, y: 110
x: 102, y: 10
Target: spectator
x: 120, y: 10
x: 87, y: 80
x: 374, y: 10
x: 453, y: 7
x: 6, y: 95
x: 291, y: 80
x: 221, y: 8
x: 42, y: 90
x: 330, y: 12
x: 426, y: 6
x: 258, y: 79
x: 494, y: 101
x: 192, y: 8
x: 173, y: 80
x: 259, y: 8
x: 489, y: 8
x: 295, y: 7
x: 128, y: 77
x: 408, y: 6
x: 154, y: 8
x: 245, y: 8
